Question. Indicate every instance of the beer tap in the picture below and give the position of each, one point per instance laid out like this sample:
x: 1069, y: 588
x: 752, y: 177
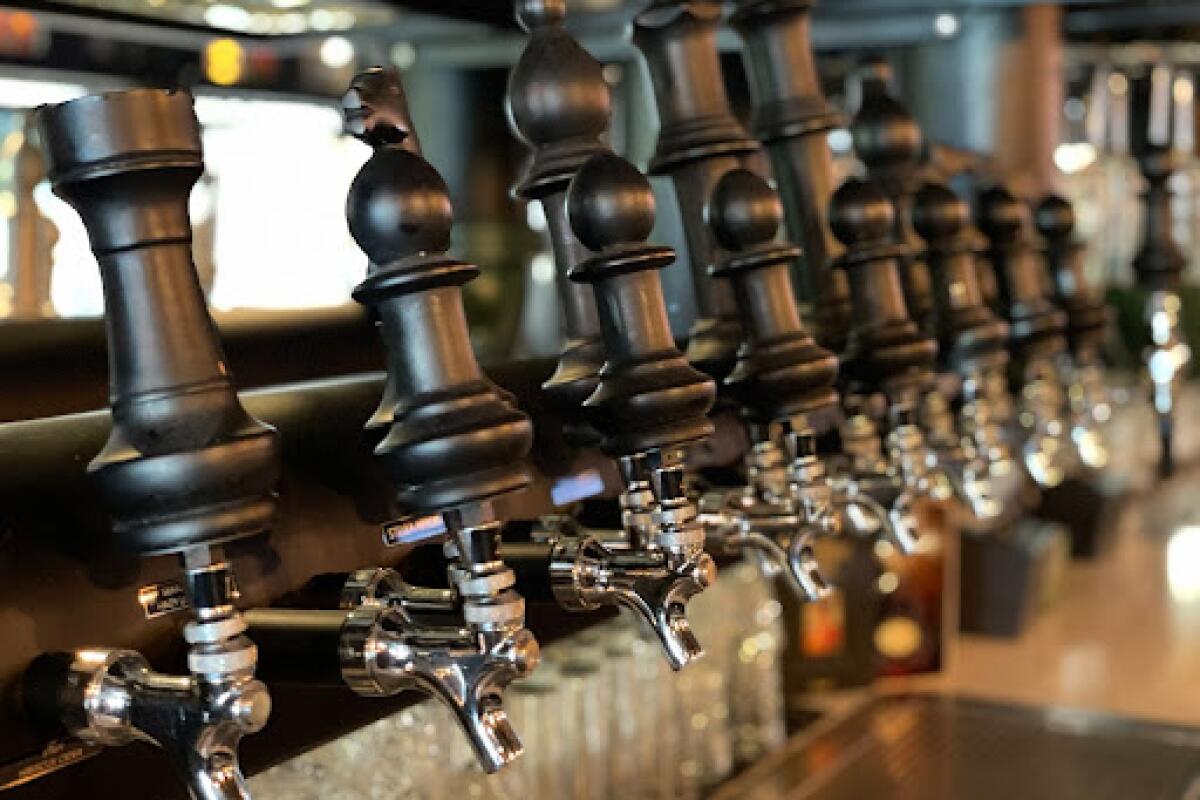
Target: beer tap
x: 646, y: 402
x: 1158, y: 266
x: 649, y: 404
x: 889, y: 141
x: 782, y: 380
x: 972, y: 340
x: 703, y: 148
x: 455, y: 443
x: 886, y: 355
x: 792, y: 118
x: 1037, y: 331
x: 185, y: 469
x: 1087, y: 324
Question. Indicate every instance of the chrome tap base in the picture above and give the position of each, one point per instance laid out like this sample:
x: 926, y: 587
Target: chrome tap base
x: 655, y: 569
x: 462, y: 646
x: 113, y: 697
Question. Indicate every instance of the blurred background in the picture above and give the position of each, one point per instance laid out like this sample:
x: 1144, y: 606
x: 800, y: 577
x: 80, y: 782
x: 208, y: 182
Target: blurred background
x: 1049, y: 92
x: 1054, y: 97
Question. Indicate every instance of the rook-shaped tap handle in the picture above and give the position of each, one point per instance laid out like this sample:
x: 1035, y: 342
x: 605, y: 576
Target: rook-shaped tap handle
x: 185, y: 465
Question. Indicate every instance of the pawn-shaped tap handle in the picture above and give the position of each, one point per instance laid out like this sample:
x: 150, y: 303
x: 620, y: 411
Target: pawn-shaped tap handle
x: 1159, y: 262
x: 971, y: 336
x: 781, y: 371
x: 649, y: 396
x: 1087, y: 315
x: 886, y: 351
x: 185, y: 465
x: 454, y: 439
x: 889, y: 141
x: 1037, y: 326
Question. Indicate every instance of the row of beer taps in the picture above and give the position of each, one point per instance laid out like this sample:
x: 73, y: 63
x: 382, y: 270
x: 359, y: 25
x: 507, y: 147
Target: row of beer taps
x: 924, y: 316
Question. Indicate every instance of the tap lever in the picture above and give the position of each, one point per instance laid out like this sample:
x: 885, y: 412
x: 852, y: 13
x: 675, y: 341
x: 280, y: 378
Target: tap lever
x: 654, y: 584
x: 466, y: 668
x: 113, y: 697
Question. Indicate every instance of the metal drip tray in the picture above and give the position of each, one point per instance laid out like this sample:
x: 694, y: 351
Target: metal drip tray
x: 928, y: 747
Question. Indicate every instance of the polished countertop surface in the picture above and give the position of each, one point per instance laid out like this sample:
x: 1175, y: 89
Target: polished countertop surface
x: 1123, y: 637
x: 1098, y: 698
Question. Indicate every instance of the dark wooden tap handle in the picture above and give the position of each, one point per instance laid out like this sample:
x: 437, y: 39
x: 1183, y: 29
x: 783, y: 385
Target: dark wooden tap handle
x: 887, y: 351
x: 559, y: 106
x: 649, y: 396
x: 1037, y: 326
x: 781, y: 372
x: 699, y: 140
x: 970, y: 335
x: 185, y: 464
x: 1087, y: 315
x: 889, y: 141
x: 792, y: 118
x: 454, y: 439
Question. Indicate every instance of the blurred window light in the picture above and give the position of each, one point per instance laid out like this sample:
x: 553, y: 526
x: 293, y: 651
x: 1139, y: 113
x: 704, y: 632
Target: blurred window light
x: 542, y: 268
x: 1073, y: 157
x: 840, y: 141
x: 21, y: 93
x: 945, y: 25
x: 280, y: 228
x: 337, y: 52
x: 403, y: 55
x: 228, y: 17
x: 276, y: 204
x: 1183, y: 564
x: 224, y: 62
